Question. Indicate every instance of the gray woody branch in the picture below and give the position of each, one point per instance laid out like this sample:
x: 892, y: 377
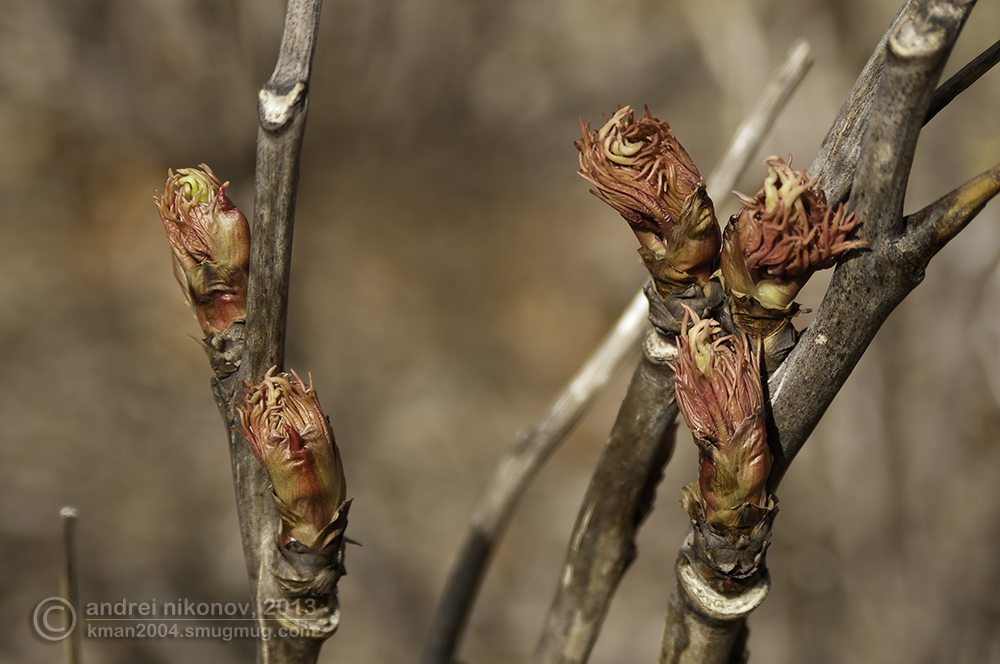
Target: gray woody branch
x: 869, y: 153
x: 870, y: 283
x: 281, y: 109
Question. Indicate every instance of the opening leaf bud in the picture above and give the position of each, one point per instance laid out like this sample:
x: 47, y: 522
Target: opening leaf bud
x: 719, y: 393
x: 290, y: 436
x: 641, y: 170
x: 210, y: 242
x: 782, y: 235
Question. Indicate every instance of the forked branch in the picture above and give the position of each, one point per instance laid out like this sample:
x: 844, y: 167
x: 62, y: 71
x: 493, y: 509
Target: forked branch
x: 525, y: 458
x: 869, y: 153
x: 869, y: 283
x: 623, y: 486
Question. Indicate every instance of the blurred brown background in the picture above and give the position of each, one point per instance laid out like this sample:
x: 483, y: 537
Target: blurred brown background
x: 451, y: 272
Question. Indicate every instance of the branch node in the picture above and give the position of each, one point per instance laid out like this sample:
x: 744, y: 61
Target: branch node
x: 276, y: 108
x: 713, y: 604
x: 913, y: 39
x: 658, y: 349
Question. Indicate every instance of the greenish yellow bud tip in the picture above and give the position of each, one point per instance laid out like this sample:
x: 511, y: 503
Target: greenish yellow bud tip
x: 210, y: 244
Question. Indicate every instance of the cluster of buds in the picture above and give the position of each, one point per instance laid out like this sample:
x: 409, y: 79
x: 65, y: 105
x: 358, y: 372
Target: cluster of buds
x: 774, y: 244
x: 291, y: 438
x: 210, y: 241
x: 718, y: 390
x: 641, y: 170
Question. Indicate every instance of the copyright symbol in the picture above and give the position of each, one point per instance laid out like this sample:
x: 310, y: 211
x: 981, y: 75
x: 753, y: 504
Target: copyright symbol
x: 53, y: 619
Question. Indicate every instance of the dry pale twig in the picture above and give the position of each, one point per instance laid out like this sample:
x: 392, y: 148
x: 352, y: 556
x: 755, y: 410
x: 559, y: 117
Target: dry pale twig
x: 514, y: 473
x: 757, y: 125
x: 69, y: 586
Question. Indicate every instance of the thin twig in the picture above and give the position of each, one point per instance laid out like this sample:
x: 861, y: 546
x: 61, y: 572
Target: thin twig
x: 530, y: 452
x: 516, y: 471
x: 935, y: 225
x: 750, y: 134
x: 962, y: 79
x: 69, y: 586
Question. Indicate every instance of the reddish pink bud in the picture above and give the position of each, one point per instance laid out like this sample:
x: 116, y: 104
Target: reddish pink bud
x: 641, y: 170
x: 291, y: 438
x: 782, y: 235
x: 210, y: 241
x: 718, y: 390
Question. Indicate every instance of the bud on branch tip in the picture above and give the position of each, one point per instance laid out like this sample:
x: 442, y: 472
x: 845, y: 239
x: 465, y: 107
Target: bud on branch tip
x: 641, y: 170
x: 782, y: 235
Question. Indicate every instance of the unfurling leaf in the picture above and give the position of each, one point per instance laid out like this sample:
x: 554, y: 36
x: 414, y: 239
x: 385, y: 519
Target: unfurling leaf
x: 641, y: 170
x: 781, y: 236
x: 719, y: 393
x: 291, y: 438
x: 210, y: 241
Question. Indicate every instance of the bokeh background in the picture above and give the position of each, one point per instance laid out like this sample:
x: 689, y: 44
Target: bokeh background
x: 450, y: 274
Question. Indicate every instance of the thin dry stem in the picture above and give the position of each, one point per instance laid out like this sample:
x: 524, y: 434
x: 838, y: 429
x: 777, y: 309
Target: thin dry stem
x: 69, y: 585
x: 748, y: 137
x: 962, y: 79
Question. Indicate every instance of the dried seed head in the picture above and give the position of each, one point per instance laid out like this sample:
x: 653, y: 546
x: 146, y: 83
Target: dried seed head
x: 291, y: 438
x: 641, y: 170
x: 210, y: 241
x: 718, y: 390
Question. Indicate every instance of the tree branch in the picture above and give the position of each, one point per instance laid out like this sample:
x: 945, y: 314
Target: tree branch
x: 281, y: 108
x: 838, y: 153
x: 868, y: 152
x: 526, y: 457
x: 618, y: 499
x: 870, y: 283
x: 962, y: 79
